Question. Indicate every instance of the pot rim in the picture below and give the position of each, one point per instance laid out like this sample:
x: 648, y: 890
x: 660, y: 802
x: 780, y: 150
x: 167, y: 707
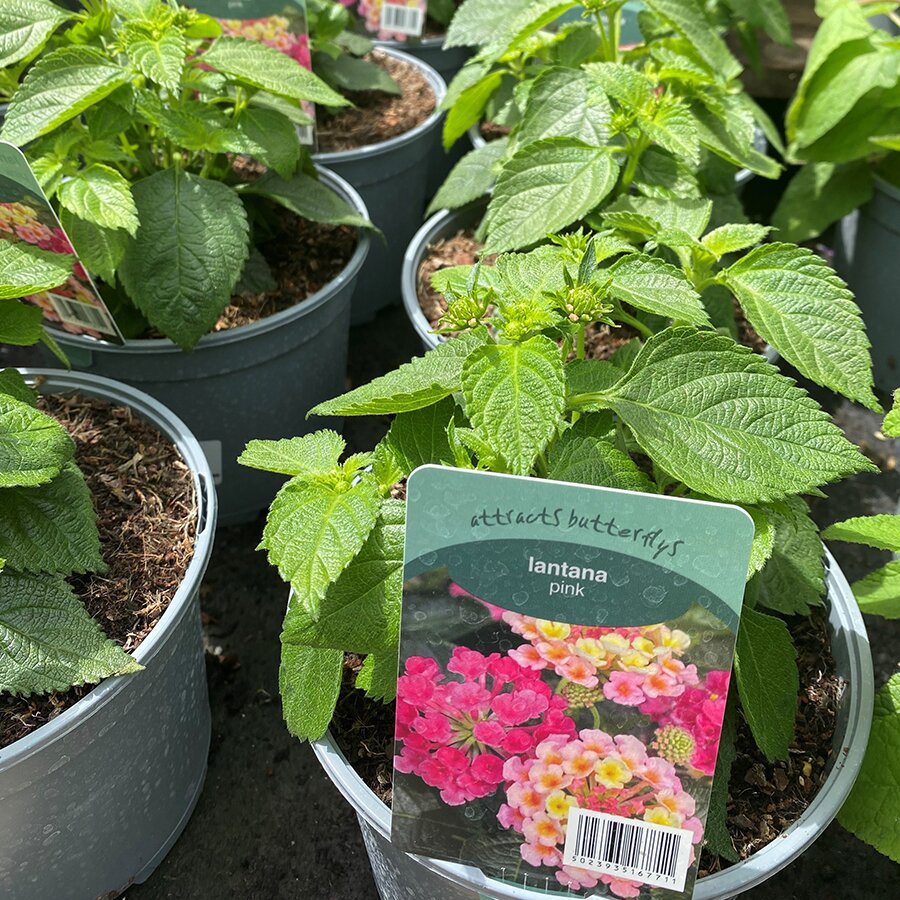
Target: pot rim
x: 173, y: 428
x: 215, y: 339
x: 430, y: 43
x: 885, y: 187
x: 438, y: 86
x: 750, y: 872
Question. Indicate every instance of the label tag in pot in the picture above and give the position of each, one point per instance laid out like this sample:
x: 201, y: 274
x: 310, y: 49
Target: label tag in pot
x: 32, y: 232
x: 565, y: 655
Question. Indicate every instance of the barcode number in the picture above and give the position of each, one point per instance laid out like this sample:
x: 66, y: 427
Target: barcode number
x: 628, y: 848
x: 76, y: 313
x: 402, y: 19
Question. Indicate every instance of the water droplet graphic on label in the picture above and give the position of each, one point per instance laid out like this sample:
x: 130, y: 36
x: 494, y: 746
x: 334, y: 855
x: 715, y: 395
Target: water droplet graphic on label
x: 619, y: 580
x: 520, y: 598
x: 419, y: 616
x: 654, y: 594
x: 679, y: 580
x: 429, y: 559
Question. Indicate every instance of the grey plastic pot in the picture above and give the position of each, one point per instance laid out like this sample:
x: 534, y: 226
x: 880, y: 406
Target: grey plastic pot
x: 866, y: 253
x: 391, y: 177
x: 92, y: 801
x: 255, y: 381
x: 400, y: 875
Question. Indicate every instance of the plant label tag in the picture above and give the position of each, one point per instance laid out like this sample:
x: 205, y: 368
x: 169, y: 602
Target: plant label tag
x: 402, y: 19
x: 26, y: 217
x: 565, y: 655
x: 282, y: 24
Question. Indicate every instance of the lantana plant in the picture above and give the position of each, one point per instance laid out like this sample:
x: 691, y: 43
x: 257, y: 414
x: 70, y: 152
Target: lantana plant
x: 683, y: 410
x: 131, y: 113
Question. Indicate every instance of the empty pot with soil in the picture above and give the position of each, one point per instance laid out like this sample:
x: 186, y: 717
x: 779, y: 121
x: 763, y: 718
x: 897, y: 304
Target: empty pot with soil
x: 382, y: 147
x: 97, y: 784
x: 398, y: 874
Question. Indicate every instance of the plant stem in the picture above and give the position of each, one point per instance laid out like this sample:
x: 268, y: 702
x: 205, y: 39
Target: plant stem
x: 579, y: 341
x: 636, y: 324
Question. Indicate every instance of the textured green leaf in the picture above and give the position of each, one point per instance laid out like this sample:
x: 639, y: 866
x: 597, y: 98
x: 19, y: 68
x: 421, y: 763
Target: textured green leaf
x: 57, y: 88
x: 631, y: 88
x: 515, y: 30
x: 352, y: 74
x: 188, y: 253
x: 565, y: 103
x: 524, y: 274
x: 764, y: 658
x: 515, y: 395
x: 159, y: 55
x: 580, y: 457
x: 799, y: 305
x: 270, y: 70
x: 100, y: 195
x: 378, y: 676
x: 672, y: 127
x: 879, y: 592
x: 309, y: 680
x: 763, y: 539
x: 584, y: 376
x: 33, y: 446
x: 468, y: 107
x: 769, y: 15
x: 470, y: 178
x: 882, y: 531
x: 51, y: 527
x: 276, y: 137
x: 313, y: 454
x: 312, y: 532
x: 793, y: 579
x: 818, y: 195
x: 48, y: 641
x: 25, y: 26
x: 562, y: 177
x: 101, y: 250
x: 26, y: 269
x: 870, y: 811
x: 716, y: 838
x: 731, y: 238
x: 475, y: 21
x: 422, y: 381
x: 726, y: 140
x: 21, y: 324
x: 722, y: 420
x: 891, y: 425
x: 419, y: 437
x: 360, y: 612
x: 652, y: 284
x: 655, y: 214
x: 13, y: 384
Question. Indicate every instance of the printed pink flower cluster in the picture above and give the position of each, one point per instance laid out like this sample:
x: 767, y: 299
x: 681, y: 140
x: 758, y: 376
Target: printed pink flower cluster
x: 22, y: 221
x: 634, y: 664
x: 595, y: 771
x: 457, y: 732
x: 691, y: 724
x: 273, y: 31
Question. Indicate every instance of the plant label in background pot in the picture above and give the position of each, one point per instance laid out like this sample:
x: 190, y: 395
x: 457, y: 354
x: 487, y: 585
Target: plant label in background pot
x: 565, y: 653
x: 33, y: 240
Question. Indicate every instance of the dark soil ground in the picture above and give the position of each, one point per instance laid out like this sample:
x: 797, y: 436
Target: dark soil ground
x: 269, y: 824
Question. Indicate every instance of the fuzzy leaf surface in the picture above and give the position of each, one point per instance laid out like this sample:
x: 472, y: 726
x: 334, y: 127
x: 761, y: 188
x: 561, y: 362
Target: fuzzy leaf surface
x: 21, y: 324
x: 159, y: 56
x: 882, y: 531
x: 731, y: 238
x: 475, y: 19
x: 879, y: 592
x: 471, y: 177
x: 891, y: 424
x: 276, y: 137
x: 652, y: 284
x: 25, y: 26
x: 33, y: 446
x: 419, y: 437
x: 313, y: 454
x: 100, y: 195
x: 309, y: 680
x: 378, y: 676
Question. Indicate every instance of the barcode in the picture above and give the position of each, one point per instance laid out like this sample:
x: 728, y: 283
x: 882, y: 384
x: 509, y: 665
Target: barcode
x: 402, y: 19
x: 628, y: 848
x: 76, y: 313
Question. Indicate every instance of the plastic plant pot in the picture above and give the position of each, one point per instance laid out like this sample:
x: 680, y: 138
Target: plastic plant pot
x: 92, y: 801
x: 867, y: 245
x: 391, y: 177
x: 255, y: 381
x: 398, y: 874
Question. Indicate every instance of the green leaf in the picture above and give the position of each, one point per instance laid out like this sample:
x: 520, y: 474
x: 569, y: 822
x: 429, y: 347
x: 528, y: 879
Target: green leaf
x: 726, y: 139
x: 580, y: 457
x: 309, y: 681
x: 33, y: 446
x: 793, y: 580
x: 879, y: 592
x: 352, y: 74
x: 731, y: 238
x: 468, y: 107
x: 312, y: 532
x: 360, y: 612
x: 100, y: 195
x: 275, y: 136
x: 514, y: 32
x: 48, y: 641
x: 100, y: 249
x: 881, y: 531
x: 798, y: 304
x: 25, y: 26
x: 419, y: 437
x: 57, y: 88
x: 769, y: 15
x: 722, y: 420
x: 870, y: 811
x: 689, y: 19
x: 763, y: 539
x: 378, y: 677
x: 313, y: 454
x: 672, y: 127
x: 470, y: 178
x: 652, y: 284
x: 564, y: 178
x: 270, y: 70
x: 26, y: 269
x: 891, y: 425
x: 716, y: 838
x: 765, y: 658
x: 51, y: 527
x: 515, y: 395
x: 416, y: 384
x: 656, y: 214
x: 21, y: 324
x: 584, y: 376
x: 290, y: 109
x: 188, y: 253
x: 565, y: 103
x: 476, y: 21
x: 195, y: 126
x: 256, y: 276
x: 308, y: 198
x: 13, y: 384
x: 820, y: 194
x: 158, y: 54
